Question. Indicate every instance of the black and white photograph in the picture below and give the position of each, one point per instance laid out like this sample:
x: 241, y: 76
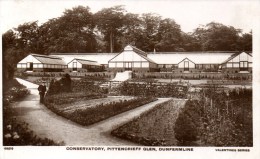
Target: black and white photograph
x: 109, y: 75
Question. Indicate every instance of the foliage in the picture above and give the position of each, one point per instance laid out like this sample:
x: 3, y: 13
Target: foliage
x: 186, y: 128
x: 62, y: 85
x: 54, y: 88
x: 220, y: 119
x: 218, y: 37
x: 110, y: 22
x: 72, y: 32
x: 66, y: 83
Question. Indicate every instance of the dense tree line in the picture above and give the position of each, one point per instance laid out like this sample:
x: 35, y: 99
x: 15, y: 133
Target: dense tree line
x: 109, y: 30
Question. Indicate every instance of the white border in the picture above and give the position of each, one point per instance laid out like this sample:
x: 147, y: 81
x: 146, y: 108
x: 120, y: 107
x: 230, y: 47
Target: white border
x: 30, y: 152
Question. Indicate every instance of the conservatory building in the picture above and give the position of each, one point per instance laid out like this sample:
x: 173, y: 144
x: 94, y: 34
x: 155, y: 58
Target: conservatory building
x: 132, y: 59
x: 41, y: 63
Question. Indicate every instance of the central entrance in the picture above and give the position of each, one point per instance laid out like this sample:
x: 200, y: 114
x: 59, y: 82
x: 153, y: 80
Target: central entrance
x: 29, y: 66
x: 243, y: 66
x: 128, y: 65
x: 74, y: 66
x: 186, y: 65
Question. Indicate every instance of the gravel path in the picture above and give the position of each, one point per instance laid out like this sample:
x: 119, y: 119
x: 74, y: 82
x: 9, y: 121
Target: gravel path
x: 47, y: 124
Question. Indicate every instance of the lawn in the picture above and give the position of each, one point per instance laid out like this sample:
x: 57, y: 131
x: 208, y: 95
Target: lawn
x: 155, y: 127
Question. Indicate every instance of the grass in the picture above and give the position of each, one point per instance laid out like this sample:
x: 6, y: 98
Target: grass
x: 153, y: 128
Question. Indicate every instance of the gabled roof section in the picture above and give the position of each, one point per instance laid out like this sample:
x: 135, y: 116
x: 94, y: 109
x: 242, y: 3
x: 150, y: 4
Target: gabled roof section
x: 187, y: 59
x: 100, y: 58
x: 135, y: 49
x: 235, y: 55
x: 86, y: 62
x: 45, y: 59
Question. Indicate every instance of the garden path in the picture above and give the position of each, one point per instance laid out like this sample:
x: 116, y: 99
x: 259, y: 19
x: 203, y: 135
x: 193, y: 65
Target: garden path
x: 47, y: 124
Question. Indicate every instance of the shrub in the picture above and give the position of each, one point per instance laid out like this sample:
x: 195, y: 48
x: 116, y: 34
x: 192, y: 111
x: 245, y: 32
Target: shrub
x: 187, y: 123
x: 54, y: 88
x: 66, y: 83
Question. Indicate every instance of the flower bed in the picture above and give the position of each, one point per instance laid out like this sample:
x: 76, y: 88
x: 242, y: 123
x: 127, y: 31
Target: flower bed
x: 19, y: 134
x: 101, y: 111
x: 13, y: 91
x: 154, y: 127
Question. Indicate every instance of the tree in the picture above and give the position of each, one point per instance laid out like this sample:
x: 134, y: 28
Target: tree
x: 190, y: 43
x: 245, y: 42
x: 27, y: 36
x: 150, y: 25
x: 217, y: 37
x: 8, y: 40
x: 12, y: 53
x: 72, y: 32
x: 132, y: 29
x: 110, y: 23
x: 169, y: 36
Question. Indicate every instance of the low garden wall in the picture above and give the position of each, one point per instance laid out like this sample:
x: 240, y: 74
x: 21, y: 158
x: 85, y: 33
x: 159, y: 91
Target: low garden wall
x: 72, y: 74
x: 153, y: 89
x: 208, y: 75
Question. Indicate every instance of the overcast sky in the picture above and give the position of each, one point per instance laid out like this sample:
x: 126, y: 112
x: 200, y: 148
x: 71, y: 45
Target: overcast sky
x: 188, y: 14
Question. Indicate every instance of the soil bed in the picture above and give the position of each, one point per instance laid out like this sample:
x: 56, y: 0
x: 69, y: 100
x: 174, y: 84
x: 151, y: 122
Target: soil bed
x: 155, y: 127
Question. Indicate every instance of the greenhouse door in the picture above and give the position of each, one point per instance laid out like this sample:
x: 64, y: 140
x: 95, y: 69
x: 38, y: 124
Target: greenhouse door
x: 186, y: 65
x: 243, y: 66
x: 128, y: 66
x: 74, y: 66
x: 29, y: 66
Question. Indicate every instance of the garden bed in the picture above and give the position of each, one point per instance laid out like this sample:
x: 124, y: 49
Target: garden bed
x: 153, y: 89
x: 86, y: 112
x: 153, y: 128
x: 70, y: 97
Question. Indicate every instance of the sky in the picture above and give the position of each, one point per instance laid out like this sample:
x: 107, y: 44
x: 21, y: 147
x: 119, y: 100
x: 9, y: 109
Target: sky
x: 188, y: 14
